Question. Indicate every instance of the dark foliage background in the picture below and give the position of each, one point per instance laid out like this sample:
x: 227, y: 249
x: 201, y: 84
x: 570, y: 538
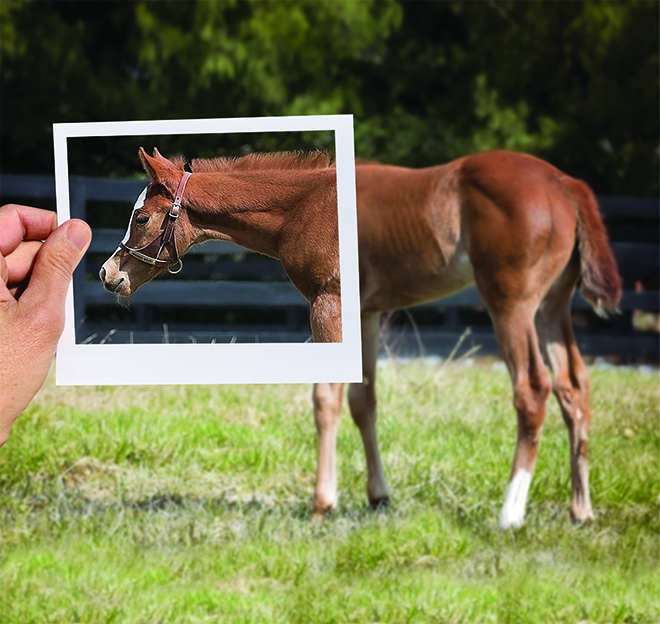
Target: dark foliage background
x: 573, y: 82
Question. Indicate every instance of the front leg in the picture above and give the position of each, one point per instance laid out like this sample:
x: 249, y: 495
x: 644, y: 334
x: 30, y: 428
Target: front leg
x: 325, y: 318
x: 362, y: 401
x: 327, y: 410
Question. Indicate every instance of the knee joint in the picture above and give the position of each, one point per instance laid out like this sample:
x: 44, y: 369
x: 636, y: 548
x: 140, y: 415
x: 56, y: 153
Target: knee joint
x: 325, y: 399
x: 529, y: 399
x: 361, y: 398
x: 573, y: 399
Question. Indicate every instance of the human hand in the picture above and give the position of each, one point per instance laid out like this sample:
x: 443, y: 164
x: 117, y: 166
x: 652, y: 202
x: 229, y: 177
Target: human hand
x: 34, y: 279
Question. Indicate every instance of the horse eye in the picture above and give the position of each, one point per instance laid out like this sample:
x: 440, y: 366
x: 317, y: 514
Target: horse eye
x: 141, y: 219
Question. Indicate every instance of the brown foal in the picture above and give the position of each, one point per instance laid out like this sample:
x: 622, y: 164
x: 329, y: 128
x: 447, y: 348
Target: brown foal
x: 521, y: 230
x: 524, y: 233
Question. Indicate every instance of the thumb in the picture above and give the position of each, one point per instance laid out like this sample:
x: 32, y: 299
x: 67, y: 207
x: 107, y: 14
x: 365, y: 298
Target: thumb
x: 55, y: 263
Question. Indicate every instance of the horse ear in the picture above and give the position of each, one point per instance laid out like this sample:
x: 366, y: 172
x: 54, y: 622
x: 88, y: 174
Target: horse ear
x: 158, y: 156
x: 158, y: 168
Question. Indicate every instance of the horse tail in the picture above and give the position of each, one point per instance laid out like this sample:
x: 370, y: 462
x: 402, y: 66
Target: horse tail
x: 601, y: 282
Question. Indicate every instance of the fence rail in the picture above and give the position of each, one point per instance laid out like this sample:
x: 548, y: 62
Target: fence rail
x: 250, y: 282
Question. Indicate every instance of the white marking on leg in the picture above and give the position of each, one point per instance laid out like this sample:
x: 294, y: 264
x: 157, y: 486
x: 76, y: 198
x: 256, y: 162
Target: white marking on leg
x: 578, y: 414
x: 515, y: 499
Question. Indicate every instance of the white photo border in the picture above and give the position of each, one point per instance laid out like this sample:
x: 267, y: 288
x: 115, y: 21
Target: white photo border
x: 142, y: 364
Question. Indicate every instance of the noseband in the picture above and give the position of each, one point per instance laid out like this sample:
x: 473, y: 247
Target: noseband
x: 150, y: 252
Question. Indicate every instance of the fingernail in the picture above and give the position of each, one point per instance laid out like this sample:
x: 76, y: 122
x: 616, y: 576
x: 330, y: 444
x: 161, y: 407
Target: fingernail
x: 78, y: 235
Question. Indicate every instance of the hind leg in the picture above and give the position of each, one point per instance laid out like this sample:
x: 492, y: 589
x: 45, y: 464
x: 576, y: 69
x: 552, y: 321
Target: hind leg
x: 362, y: 402
x: 571, y: 388
x: 516, y: 334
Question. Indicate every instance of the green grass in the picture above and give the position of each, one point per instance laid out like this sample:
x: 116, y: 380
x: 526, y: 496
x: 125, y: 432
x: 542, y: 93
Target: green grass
x: 192, y: 504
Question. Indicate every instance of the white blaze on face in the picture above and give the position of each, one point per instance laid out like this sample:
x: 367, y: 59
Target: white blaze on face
x: 515, y: 499
x: 138, y: 204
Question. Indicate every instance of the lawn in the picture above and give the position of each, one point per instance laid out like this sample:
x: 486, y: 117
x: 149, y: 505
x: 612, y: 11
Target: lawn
x: 192, y: 504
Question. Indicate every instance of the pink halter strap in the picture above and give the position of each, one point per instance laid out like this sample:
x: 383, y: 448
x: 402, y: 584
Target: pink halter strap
x: 174, y: 210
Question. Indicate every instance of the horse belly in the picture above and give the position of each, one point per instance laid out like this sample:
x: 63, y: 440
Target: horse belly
x: 457, y: 275
x: 405, y: 286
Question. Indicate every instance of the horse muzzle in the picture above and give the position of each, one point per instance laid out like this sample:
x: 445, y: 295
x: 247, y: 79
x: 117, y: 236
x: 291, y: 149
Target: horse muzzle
x: 115, y: 281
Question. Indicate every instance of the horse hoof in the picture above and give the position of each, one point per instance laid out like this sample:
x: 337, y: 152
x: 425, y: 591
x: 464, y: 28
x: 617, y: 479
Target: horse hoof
x: 584, y: 519
x: 321, y: 514
x: 379, y: 504
x: 508, y: 521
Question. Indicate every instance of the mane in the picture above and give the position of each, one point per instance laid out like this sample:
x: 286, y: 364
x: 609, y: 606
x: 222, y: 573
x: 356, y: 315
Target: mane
x: 179, y: 162
x: 279, y: 161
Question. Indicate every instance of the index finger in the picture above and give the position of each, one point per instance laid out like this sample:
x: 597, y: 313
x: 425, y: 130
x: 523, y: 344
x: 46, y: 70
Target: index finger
x: 18, y: 223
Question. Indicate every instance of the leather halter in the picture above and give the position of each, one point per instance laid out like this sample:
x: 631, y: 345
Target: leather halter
x: 150, y: 252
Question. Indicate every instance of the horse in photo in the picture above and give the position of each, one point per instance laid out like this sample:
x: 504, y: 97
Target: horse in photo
x: 283, y: 205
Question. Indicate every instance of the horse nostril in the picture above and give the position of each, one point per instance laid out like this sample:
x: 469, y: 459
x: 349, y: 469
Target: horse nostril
x: 115, y: 287
x: 102, y: 274
x: 112, y: 287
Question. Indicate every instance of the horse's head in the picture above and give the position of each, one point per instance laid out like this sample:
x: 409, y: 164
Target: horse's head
x: 158, y: 232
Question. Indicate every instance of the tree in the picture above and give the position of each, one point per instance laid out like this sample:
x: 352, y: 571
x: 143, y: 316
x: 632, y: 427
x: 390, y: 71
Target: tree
x: 574, y: 82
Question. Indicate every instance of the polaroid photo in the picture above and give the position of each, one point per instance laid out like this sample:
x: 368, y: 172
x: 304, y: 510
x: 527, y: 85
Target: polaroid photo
x: 223, y: 251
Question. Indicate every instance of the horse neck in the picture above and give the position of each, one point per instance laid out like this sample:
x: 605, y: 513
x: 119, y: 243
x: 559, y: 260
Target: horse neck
x: 247, y: 208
